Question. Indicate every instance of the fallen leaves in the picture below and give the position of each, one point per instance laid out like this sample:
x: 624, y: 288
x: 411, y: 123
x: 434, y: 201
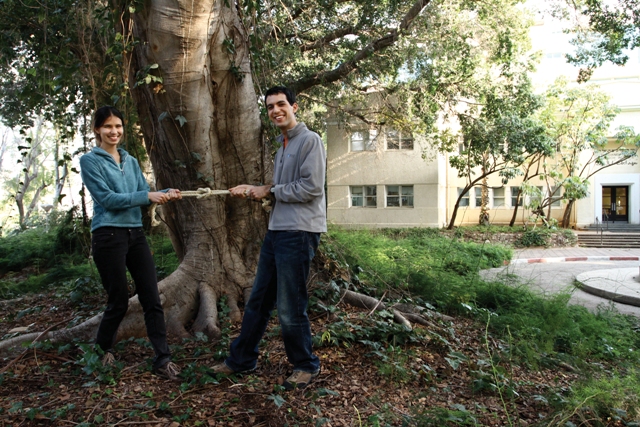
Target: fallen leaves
x: 355, y: 387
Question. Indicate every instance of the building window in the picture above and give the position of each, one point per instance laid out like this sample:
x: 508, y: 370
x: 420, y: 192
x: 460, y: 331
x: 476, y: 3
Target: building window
x: 514, y: 196
x: 364, y: 140
x: 464, y: 201
x: 478, y: 191
x: 363, y: 196
x: 556, y: 196
x: 397, y: 140
x: 498, y: 197
x: 462, y: 147
x: 400, y: 196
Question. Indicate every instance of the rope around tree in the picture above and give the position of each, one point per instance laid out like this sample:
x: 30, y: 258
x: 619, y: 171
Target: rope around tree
x: 200, y: 193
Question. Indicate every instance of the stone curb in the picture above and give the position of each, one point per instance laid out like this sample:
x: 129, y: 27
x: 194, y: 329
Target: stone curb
x: 625, y: 292
x: 574, y: 259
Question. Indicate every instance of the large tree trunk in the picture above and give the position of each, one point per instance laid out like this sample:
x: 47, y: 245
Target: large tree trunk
x: 218, y: 146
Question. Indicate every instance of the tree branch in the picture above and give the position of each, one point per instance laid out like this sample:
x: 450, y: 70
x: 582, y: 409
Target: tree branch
x: 347, y: 67
x: 328, y: 38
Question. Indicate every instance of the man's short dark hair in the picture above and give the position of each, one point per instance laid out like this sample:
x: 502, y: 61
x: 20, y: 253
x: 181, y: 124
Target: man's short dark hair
x: 291, y: 97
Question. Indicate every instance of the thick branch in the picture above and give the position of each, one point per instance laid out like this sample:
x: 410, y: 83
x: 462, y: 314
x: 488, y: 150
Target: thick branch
x: 401, y: 312
x: 347, y: 67
x: 328, y: 38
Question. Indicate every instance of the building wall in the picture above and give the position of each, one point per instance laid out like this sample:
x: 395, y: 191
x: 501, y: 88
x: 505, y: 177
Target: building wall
x: 381, y: 168
x: 500, y: 212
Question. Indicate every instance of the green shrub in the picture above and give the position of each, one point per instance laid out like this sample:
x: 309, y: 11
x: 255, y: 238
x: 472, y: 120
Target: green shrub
x: 63, y: 239
x: 534, y: 237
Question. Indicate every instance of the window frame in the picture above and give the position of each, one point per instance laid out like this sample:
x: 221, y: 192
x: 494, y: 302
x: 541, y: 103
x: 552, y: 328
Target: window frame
x: 514, y: 196
x: 369, y: 139
x: 477, y: 193
x: 364, y: 196
x: 493, y: 198
x: 401, y: 195
x: 558, y: 203
x: 401, y: 140
x: 465, y: 200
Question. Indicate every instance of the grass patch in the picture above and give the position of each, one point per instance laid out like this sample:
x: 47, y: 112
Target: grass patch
x: 610, y: 399
x: 444, y: 273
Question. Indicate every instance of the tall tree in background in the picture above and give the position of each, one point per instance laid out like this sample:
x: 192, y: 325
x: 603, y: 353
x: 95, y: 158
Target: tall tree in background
x: 577, y: 119
x: 196, y: 70
x: 499, y: 135
x: 32, y: 177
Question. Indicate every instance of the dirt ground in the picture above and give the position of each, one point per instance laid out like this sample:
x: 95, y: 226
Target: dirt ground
x: 431, y: 383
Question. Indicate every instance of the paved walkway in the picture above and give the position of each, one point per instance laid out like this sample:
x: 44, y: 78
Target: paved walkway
x: 593, y: 276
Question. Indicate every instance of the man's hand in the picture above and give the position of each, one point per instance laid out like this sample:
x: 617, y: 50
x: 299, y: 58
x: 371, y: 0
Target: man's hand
x: 174, y: 194
x: 256, y: 192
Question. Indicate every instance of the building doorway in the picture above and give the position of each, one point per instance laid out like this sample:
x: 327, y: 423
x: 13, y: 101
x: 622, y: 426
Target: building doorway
x: 615, y: 203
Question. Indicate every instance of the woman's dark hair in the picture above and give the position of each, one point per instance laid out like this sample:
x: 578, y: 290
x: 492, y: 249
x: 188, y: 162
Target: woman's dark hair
x: 102, y: 114
x: 291, y: 97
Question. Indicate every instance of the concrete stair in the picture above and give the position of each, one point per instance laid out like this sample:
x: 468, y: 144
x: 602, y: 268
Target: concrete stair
x: 615, y: 227
x: 609, y: 239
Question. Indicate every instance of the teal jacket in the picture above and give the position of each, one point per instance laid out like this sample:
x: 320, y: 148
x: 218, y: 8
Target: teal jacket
x: 118, y: 191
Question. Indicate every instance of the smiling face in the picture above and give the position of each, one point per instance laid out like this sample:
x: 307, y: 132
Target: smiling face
x: 281, y: 113
x: 110, y: 133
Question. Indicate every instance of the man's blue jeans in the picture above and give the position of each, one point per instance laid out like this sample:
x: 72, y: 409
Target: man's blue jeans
x: 283, y: 270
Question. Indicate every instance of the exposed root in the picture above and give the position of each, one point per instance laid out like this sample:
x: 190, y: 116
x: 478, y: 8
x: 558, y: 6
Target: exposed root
x: 177, y: 292
x: 402, y: 313
x: 84, y: 331
x: 207, y: 320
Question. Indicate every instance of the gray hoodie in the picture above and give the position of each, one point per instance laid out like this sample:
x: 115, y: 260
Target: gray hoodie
x: 298, y: 178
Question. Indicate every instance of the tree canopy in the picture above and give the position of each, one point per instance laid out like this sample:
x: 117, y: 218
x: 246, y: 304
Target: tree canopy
x: 605, y: 31
x: 577, y: 119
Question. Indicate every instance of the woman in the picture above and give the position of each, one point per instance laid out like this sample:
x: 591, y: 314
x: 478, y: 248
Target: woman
x: 118, y: 243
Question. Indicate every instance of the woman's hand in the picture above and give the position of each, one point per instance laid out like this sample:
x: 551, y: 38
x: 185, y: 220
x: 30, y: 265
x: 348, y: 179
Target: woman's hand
x: 158, y: 197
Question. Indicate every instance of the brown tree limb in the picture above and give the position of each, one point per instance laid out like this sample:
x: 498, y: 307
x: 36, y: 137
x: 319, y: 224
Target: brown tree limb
x: 37, y: 338
x: 402, y: 313
x: 328, y: 38
x: 377, y: 45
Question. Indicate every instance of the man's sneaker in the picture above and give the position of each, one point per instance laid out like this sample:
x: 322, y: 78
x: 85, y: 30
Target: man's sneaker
x: 299, y: 379
x: 169, y: 371
x: 223, y: 369
x: 108, y: 359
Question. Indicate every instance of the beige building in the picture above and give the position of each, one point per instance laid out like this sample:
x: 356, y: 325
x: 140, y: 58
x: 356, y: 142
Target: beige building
x: 378, y: 178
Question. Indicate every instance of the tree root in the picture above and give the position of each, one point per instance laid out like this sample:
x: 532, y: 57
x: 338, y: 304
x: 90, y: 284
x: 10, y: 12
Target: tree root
x: 402, y: 313
x: 84, y: 331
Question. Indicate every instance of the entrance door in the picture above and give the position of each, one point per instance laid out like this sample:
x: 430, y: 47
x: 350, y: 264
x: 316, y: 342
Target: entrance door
x: 615, y: 203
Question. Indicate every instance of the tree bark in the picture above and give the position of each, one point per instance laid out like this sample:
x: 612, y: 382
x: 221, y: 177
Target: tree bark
x: 202, y: 129
x: 566, y: 216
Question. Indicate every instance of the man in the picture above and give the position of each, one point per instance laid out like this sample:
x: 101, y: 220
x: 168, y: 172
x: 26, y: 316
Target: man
x: 297, y: 219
